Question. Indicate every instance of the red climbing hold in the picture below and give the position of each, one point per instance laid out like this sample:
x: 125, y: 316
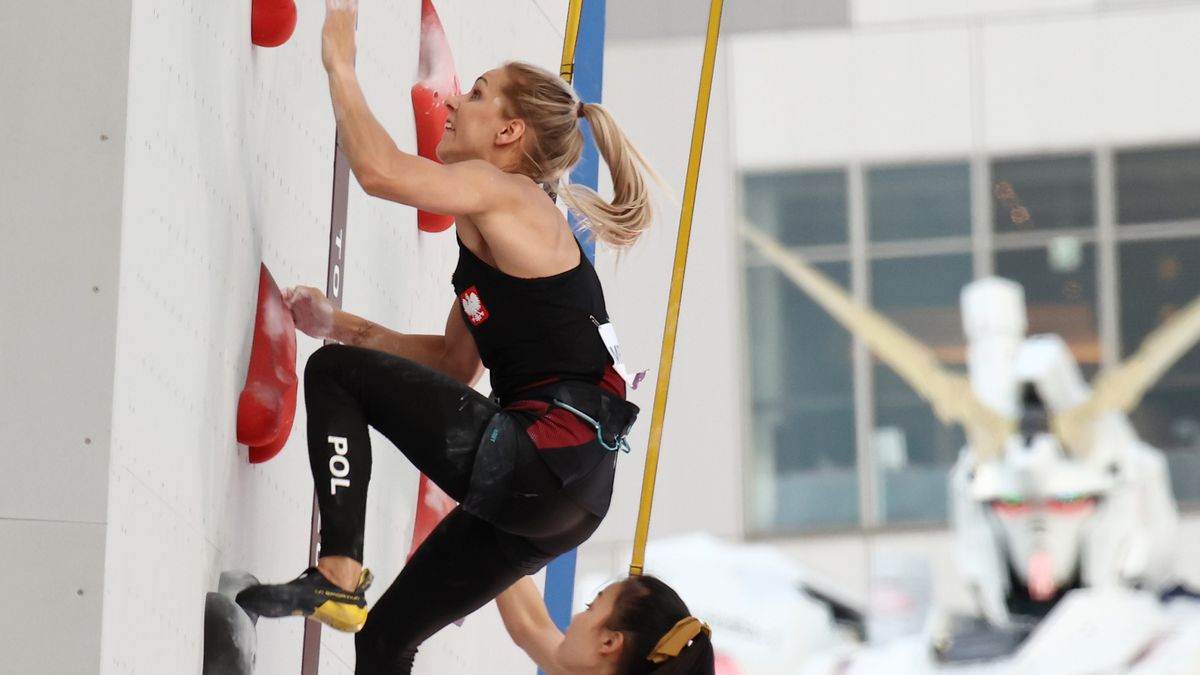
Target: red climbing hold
x: 432, y: 507
x: 437, y: 80
x: 261, y: 453
x: 267, y: 405
x: 272, y: 22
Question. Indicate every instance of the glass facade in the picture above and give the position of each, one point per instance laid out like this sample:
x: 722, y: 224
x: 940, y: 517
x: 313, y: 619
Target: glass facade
x: 802, y: 404
x: 919, y: 202
x: 1159, y: 277
x: 837, y: 446
x: 1035, y: 194
x: 912, y: 450
x: 801, y: 208
x: 1161, y: 184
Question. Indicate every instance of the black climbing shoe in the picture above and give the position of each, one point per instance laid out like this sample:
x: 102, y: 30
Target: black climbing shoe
x: 312, y: 595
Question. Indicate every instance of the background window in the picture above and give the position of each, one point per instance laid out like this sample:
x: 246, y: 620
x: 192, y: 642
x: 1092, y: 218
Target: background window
x: 1156, y: 185
x: 911, y: 449
x: 1042, y: 193
x: 919, y: 201
x: 802, y: 406
x: 1060, y: 294
x: 1158, y: 278
x: 798, y: 207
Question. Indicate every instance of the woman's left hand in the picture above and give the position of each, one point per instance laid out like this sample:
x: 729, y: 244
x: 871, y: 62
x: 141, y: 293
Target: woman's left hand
x: 337, y: 39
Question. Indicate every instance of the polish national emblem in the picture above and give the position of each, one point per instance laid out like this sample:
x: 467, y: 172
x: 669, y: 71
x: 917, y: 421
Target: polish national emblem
x: 473, y: 306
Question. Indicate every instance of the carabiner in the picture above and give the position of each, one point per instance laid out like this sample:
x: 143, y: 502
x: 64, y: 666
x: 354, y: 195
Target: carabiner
x: 621, y: 443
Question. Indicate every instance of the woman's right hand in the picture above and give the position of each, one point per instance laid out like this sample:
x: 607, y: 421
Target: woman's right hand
x: 337, y: 38
x: 311, y: 311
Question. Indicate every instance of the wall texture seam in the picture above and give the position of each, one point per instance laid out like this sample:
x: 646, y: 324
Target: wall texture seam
x: 54, y: 521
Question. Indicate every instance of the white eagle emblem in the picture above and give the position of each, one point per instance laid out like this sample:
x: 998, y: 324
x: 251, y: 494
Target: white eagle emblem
x: 473, y: 306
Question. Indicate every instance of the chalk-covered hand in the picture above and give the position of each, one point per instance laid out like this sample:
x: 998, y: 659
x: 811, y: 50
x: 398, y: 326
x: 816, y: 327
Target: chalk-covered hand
x: 311, y: 311
x: 337, y: 39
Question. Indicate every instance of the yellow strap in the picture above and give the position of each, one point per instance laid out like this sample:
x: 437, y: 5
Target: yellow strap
x: 676, y: 294
x: 570, y: 39
x: 684, y: 631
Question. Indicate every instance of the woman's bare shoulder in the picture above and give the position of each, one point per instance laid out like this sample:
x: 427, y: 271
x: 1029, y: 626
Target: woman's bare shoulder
x: 531, y: 239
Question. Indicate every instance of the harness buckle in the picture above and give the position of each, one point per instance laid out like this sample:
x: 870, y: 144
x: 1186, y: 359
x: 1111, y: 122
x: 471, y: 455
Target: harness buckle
x: 619, y: 442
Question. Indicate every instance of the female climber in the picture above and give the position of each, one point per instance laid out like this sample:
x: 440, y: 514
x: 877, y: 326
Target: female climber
x: 638, y: 626
x: 532, y: 467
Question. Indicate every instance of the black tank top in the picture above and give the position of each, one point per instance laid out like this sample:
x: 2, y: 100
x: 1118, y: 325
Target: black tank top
x: 533, y: 331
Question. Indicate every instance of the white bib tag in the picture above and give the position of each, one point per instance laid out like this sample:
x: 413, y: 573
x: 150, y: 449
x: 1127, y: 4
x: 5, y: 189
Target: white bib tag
x: 609, y: 335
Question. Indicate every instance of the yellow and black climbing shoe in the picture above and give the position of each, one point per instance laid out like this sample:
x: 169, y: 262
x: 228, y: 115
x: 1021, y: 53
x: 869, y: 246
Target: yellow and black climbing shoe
x: 312, y: 595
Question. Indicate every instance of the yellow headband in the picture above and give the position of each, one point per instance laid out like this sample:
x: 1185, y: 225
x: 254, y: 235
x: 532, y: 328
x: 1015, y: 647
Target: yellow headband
x: 677, y: 638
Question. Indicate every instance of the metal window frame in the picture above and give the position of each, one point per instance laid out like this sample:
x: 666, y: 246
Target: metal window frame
x: 1107, y: 265
x: 862, y: 380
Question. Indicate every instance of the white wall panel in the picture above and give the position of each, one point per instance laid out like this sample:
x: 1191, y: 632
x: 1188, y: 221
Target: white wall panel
x: 911, y: 94
x: 554, y: 13
x: 1041, y: 85
x: 1120, y: 78
x: 1046, y: 82
x: 229, y: 163
x: 792, y: 99
x: 902, y: 11
x: 822, y: 99
x: 1148, y: 92
x: 152, y: 614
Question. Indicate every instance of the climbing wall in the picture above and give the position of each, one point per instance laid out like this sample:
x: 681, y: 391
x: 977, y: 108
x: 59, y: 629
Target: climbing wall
x: 229, y: 162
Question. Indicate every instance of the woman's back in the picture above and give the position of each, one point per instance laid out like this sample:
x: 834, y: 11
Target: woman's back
x: 532, y: 331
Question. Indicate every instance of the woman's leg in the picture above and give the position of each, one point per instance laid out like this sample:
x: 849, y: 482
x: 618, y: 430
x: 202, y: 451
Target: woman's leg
x: 466, y: 562
x: 434, y: 420
x: 438, y: 423
x: 461, y: 566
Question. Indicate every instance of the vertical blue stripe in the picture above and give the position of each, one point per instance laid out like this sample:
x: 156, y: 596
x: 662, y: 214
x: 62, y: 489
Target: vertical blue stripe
x: 589, y: 84
x: 560, y: 589
x: 589, y: 81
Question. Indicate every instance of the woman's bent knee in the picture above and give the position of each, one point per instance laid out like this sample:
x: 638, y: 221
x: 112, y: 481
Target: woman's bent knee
x: 376, y: 652
x: 326, y: 361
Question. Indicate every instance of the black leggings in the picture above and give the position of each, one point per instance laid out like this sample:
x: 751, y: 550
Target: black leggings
x: 437, y: 423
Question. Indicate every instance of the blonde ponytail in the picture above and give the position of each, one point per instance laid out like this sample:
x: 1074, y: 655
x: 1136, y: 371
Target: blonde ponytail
x: 552, y: 112
x: 620, y: 222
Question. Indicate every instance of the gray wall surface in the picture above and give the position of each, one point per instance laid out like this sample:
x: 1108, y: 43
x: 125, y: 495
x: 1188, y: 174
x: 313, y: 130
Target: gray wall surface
x: 62, y: 125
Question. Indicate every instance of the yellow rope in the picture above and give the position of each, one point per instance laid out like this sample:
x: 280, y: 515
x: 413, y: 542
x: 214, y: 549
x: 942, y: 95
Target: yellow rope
x: 672, y: 324
x: 567, y: 69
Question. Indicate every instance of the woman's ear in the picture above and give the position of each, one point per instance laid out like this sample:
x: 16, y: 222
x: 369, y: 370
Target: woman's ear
x: 511, y: 133
x: 614, y: 641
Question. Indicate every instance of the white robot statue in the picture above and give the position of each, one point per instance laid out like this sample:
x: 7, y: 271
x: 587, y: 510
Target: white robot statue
x: 1044, y: 517
x: 1053, y: 493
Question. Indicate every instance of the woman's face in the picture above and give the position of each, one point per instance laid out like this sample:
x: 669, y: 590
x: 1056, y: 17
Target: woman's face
x: 475, y: 119
x: 588, y: 644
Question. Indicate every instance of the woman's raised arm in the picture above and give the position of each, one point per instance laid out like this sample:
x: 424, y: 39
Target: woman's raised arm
x: 529, y: 625
x: 381, y: 167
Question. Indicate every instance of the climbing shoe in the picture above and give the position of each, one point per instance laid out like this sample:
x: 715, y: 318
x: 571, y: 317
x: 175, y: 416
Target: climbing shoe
x: 311, y: 595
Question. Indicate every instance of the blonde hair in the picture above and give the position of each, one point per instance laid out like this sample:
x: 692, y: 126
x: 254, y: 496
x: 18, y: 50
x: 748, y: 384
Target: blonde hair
x: 552, y: 113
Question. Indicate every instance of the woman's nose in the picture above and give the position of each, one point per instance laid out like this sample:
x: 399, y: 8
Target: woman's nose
x: 452, y: 101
